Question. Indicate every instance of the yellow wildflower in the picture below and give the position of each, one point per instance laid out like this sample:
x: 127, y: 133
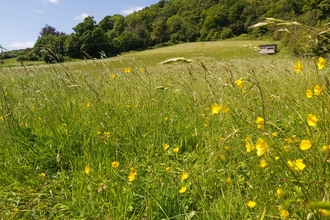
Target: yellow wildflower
x: 324, y: 212
x: 317, y: 90
x: 115, y: 164
x: 288, y: 140
x: 87, y: 169
x: 88, y: 104
x: 176, y: 150
x: 284, y: 213
x: 223, y: 157
x: 127, y: 70
x: 260, y: 122
x: 312, y: 120
x: 184, y: 176
x: 167, y: 168
x: 240, y: 82
x: 309, y: 93
x: 277, y: 158
x: 229, y: 181
x: 321, y: 63
x: 305, y: 144
x: 183, y: 189
x: 261, y: 147
x: 132, y: 175
x: 279, y: 193
x: 291, y: 165
x: 113, y: 76
x: 43, y: 175
x: 297, y: 165
x: 275, y: 134
x: 216, y: 108
x: 325, y: 147
x: 106, y: 134
x: 166, y: 146
x: 298, y: 67
x: 251, y: 204
x: 263, y: 163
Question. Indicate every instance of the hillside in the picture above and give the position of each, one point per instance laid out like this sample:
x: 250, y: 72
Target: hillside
x: 175, y: 21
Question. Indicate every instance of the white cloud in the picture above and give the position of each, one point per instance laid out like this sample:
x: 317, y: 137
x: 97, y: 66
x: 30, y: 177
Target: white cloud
x: 132, y: 9
x: 22, y: 44
x: 52, y: 1
x: 81, y: 17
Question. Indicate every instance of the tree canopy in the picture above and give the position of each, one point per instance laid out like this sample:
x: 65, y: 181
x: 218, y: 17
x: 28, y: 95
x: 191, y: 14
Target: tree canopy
x: 176, y: 21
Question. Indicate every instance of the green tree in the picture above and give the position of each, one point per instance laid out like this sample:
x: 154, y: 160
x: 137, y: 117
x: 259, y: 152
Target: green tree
x: 72, y: 46
x: 55, y: 43
x: 106, y: 23
x: 142, y: 34
x: 130, y: 41
x: 119, y: 23
x: 159, y: 31
x: 236, y: 10
x: 216, y: 17
x: 87, y: 25
x: 95, y: 41
x: 177, y: 26
x: 226, y: 33
x: 320, y: 8
x: 49, y: 56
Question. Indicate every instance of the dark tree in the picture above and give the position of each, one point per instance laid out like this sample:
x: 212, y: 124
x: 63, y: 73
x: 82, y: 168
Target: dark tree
x: 49, y: 30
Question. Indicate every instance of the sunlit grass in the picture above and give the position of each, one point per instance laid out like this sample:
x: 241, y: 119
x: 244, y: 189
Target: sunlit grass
x: 125, y: 140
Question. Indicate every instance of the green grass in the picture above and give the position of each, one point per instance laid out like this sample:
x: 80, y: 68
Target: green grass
x: 59, y: 121
x: 201, y: 50
x: 12, y: 62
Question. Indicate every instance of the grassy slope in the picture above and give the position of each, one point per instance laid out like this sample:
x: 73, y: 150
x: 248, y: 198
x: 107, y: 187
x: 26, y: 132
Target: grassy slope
x: 203, y: 50
x: 60, y: 120
x: 219, y: 50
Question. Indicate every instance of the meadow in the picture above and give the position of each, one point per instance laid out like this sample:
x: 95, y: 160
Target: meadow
x: 229, y: 135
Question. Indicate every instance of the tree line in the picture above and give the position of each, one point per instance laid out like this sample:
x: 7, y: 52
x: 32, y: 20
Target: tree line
x: 170, y: 22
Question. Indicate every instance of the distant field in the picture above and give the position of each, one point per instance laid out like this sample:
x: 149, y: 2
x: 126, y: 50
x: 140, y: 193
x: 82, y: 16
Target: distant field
x: 206, y: 50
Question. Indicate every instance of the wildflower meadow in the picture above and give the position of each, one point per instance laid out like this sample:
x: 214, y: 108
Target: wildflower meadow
x: 236, y: 138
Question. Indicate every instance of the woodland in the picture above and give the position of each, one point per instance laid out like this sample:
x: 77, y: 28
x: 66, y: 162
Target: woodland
x: 171, y: 22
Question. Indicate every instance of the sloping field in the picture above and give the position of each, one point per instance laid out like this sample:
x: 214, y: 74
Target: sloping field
x: 202, y: 50
x: 229, y: 135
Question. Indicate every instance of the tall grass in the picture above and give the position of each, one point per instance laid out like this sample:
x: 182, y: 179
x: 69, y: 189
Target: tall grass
x: 179, y: 133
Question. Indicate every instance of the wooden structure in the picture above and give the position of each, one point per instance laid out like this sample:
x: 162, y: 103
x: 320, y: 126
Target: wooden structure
x: 268, y: 49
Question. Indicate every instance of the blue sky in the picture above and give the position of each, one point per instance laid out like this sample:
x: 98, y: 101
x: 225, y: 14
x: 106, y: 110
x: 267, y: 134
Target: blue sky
x: 22, y: 20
